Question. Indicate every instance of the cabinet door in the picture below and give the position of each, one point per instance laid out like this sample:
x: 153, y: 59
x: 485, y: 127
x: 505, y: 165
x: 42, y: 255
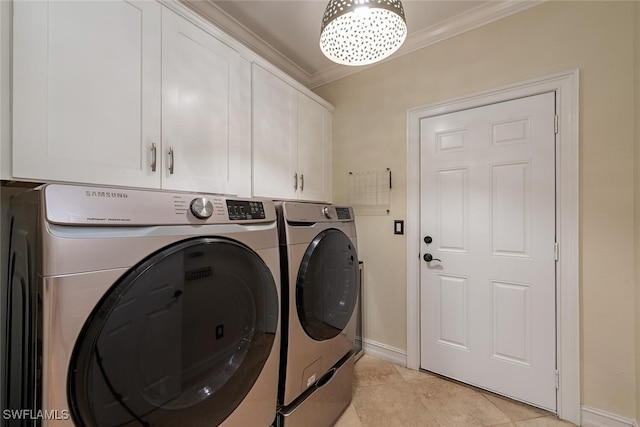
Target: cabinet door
x: 314, y: 150
x: 206, y: 111
x: 274, y: 136
x: 86, y: 91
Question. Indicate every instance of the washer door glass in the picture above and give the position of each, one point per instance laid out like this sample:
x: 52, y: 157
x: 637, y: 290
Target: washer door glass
x: 327, y: 285
x: 178, y: 341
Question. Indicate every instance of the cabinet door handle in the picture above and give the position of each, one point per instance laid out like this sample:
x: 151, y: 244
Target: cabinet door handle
x: 171, y: 160
x: 295, y: 182
x: 302, y: 182
x: 154, y: 157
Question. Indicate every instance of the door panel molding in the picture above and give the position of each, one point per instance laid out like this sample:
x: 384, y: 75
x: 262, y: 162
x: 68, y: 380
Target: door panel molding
x: 565, y: 85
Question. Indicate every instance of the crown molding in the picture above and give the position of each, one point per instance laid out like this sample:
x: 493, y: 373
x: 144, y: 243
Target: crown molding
x: 484, y: 14
x: 248, y: 38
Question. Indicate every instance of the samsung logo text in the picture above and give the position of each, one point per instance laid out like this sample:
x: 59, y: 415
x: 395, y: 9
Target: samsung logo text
x: 106, y: 194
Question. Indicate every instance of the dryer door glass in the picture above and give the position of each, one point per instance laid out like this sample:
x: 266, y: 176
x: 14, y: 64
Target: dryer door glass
x: 327, y: 285
x: 178, y: 341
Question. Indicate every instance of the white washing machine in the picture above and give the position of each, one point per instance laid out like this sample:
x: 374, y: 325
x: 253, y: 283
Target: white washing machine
x: 141, y: 308
x: 320, y: 293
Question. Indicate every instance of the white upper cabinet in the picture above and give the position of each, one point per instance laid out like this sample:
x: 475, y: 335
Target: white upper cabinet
x: 128, y: 93
x: 86, y: 91
x: 275, y: 150
x: 314, y: 149
x: 291, y: 141
x: 206, y: 111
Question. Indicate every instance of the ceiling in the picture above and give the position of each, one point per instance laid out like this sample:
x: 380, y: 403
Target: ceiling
x: 286, y: 32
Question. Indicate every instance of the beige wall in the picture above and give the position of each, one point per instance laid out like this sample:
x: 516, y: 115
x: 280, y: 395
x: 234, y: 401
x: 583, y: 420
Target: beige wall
x: 370, y: 133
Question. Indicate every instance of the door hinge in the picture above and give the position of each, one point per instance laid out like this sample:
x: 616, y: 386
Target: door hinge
x: 557, y: 380
x: 555, y: 124
x: 556, y: 251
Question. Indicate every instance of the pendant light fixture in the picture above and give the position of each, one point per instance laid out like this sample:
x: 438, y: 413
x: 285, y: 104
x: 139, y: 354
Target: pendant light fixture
x: 361, y: 32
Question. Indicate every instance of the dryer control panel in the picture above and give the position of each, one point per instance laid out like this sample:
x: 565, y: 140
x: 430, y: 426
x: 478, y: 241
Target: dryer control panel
x: 343, y: 213
x: 316, y: 212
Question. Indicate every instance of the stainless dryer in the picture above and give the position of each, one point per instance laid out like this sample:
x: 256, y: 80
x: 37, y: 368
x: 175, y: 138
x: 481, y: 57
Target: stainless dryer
x: 131, y: 307
x: 320, y: 293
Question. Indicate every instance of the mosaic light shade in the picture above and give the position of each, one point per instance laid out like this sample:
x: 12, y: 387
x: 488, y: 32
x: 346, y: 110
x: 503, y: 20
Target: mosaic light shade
x: 361, y: 32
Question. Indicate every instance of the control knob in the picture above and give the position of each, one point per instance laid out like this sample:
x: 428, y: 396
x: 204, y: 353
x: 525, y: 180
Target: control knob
x: 326, y: 212
x: 201, y: 208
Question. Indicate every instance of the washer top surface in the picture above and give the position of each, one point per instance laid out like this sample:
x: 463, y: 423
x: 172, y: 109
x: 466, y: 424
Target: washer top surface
x: 105, y: 206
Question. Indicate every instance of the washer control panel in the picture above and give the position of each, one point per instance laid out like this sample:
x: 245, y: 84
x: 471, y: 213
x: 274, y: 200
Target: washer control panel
x: 91, y: 205
x: 244, y: 209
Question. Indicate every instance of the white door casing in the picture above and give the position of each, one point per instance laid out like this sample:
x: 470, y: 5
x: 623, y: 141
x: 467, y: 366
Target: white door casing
x: 488, y: 205
x: 565, y: 86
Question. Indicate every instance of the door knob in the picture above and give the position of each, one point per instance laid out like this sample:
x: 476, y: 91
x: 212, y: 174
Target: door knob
x: 429, y: 258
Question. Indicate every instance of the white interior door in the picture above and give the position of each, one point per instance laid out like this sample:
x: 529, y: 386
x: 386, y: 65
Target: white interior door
x: 488, y: 297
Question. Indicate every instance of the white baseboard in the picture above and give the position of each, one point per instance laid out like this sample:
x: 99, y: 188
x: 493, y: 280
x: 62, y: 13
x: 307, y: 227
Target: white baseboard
x: 592, y: 417
x: 385, y: 352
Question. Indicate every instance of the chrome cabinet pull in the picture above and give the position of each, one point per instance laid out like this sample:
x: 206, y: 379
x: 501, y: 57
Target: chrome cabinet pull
x: 154, y: 157
x: 171, y: 160
x: 295, y: 182
x: 302, y: 182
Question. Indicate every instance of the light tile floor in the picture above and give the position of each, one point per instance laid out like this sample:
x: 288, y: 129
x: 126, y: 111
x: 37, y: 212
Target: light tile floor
x: 387, y: 395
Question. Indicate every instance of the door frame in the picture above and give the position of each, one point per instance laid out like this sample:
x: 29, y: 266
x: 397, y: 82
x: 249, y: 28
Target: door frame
x: 566, y: 87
